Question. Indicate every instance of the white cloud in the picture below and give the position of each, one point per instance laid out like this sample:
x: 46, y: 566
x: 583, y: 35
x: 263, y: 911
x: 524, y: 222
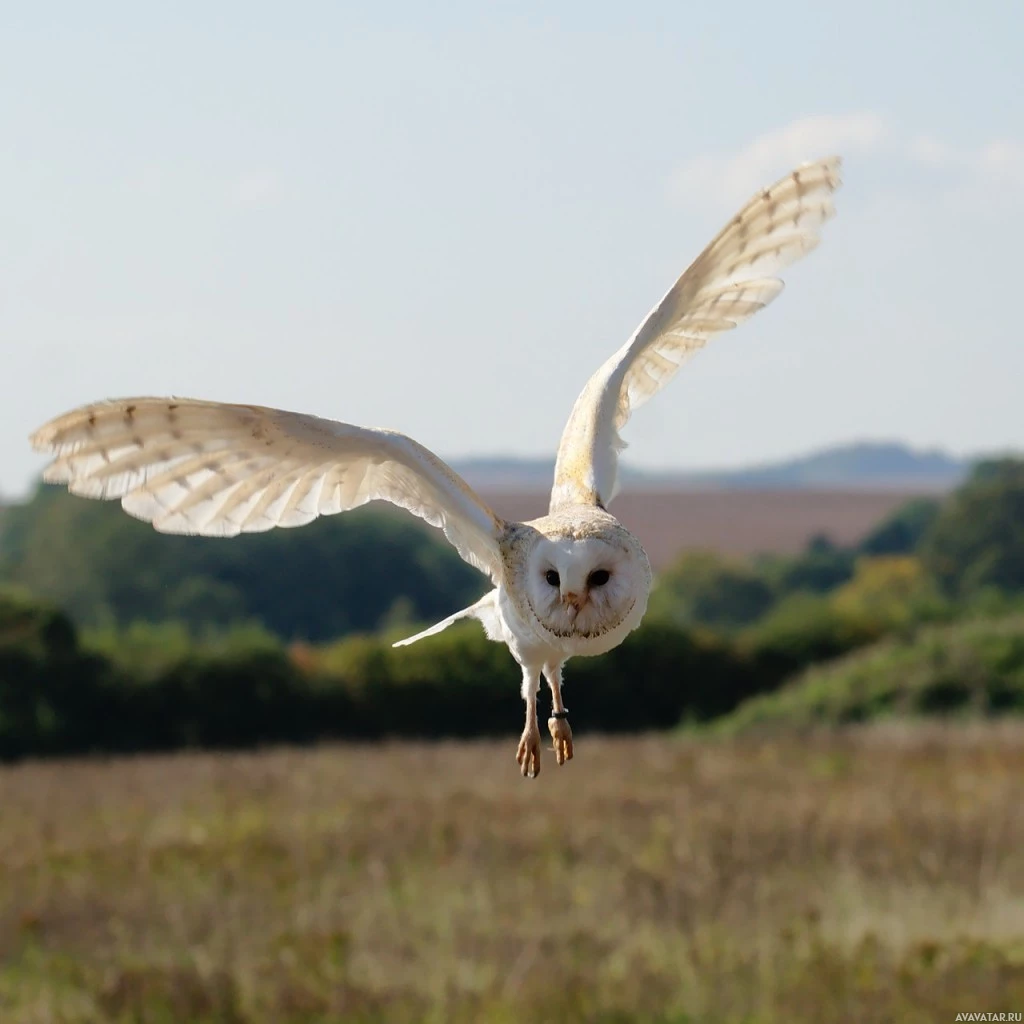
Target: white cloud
x: 980, y: 176
x: 255, y: 188
x: 996, y: 163
x: 1002, y: 160
x: 727, y: 176
x: 926, y: 150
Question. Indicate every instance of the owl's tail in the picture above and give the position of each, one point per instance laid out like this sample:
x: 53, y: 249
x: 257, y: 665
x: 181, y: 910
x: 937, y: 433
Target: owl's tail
x: 486, y: 610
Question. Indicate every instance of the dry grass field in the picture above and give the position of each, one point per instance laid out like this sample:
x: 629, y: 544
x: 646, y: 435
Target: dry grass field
x: 733, y: 522
x: 871, y: 876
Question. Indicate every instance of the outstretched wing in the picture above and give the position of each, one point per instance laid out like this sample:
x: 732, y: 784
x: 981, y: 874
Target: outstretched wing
x: 728, y: 283
x: 219, y: 470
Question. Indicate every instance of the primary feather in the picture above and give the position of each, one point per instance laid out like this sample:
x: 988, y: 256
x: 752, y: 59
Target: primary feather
x: 726, y: 285
x: 218, y: 470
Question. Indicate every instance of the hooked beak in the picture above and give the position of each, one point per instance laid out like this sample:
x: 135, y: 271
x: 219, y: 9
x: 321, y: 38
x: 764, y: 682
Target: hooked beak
x: 573, y: 603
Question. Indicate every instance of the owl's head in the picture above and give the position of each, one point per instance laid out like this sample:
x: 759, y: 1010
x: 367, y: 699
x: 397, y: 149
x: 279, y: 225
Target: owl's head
x: 588, y: 586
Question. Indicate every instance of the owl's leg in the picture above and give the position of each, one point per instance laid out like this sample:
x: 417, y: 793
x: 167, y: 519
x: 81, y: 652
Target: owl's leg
x: 558, y: 723
x: 528, y: 754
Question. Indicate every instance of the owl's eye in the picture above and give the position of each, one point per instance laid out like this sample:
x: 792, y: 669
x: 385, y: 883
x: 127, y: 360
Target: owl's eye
x: 598, y: 578
x: 552, y: 577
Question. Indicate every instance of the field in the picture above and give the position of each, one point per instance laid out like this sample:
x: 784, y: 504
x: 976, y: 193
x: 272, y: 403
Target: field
x: 733, y: 522
x: 870, y: 876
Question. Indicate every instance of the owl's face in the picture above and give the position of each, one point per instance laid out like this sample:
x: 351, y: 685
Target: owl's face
x: 585, y: 587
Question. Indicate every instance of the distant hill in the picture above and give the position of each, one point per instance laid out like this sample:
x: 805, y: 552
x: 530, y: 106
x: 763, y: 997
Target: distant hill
x: 864, y: 465
x: 860, y: 466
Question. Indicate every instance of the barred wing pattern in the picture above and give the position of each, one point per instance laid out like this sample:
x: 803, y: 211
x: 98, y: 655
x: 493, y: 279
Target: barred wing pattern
x: 727, y: 284
x: 218, y: 470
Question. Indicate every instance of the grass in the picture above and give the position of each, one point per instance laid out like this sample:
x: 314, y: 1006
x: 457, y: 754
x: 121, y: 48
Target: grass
x: 872, y: 875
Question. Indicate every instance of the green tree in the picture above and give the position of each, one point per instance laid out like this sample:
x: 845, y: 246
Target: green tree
x: 337, y: 575
x: 977, y: 540
x: 821, y: 567
x: 891, y: 590
x: 707, y: 589
x: 902, y: 532
x: 53, y: 695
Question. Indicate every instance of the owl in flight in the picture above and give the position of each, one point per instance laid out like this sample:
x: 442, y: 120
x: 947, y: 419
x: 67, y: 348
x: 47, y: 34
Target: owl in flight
x: 574, y: 582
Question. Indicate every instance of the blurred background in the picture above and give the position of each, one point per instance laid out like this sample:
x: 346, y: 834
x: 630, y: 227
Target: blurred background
x: 225, y: 798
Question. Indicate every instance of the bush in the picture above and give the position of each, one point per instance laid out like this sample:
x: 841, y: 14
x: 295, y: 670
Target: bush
x: 706, y: 589
x: 803, y: 630
x: 150, y: 687
x: 52, y: 694
x: 974, y: 668
x: 890, y: 590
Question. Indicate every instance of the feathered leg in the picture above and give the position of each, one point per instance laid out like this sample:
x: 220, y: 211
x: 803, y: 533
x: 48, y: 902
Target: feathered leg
x: 558, y: 723
x: 528, y: 754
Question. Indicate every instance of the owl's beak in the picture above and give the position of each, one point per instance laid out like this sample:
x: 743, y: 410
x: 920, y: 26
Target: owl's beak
x: 573, y: 603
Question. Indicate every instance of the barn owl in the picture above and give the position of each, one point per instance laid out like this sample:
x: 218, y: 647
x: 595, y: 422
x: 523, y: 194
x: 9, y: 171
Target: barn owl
x: 572, y: 583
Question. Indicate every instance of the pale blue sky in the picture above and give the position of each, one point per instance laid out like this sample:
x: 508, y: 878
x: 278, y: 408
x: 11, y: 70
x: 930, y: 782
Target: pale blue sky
x: 443, y: 220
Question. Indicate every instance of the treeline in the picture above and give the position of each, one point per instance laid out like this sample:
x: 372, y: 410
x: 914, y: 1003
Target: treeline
x: 268, y: 667
x: 379, y: 567
x: 342, y: 574
x: 156, y: 688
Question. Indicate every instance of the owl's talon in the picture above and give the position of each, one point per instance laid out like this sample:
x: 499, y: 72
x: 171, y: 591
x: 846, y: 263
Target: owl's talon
x: 561, y: 736
x: 528, y: 754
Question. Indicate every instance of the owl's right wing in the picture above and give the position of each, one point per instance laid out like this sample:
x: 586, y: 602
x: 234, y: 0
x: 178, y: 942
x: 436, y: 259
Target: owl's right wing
x: 218, y: 470
x: 727, y: 284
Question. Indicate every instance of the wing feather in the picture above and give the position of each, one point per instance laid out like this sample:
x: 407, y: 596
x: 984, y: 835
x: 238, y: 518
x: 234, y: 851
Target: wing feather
x: 218, y: 470
x: 727, y: 284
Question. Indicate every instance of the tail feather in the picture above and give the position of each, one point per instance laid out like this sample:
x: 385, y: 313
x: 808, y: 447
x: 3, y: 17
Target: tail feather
x: 486, y: 610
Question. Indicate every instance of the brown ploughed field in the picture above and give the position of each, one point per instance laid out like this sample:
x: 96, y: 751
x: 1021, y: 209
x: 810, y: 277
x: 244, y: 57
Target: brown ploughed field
x: 733, y: 522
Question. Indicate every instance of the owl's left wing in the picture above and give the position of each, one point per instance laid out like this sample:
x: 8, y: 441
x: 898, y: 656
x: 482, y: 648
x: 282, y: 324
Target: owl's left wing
x: 727, y: 284
x: 218, y: 470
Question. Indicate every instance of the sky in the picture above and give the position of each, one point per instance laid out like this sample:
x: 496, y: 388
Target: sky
x: 443, y: 219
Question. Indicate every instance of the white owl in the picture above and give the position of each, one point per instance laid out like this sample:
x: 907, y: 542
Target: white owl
x: 574, y: 582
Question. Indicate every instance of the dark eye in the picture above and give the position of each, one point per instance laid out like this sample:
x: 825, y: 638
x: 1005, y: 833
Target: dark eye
x: 552, y: 577
x: 598, y: 578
